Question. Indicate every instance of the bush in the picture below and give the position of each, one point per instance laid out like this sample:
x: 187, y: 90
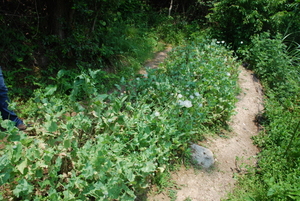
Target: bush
x: 115, y: 37
x: 238, y: 20
x: 271, y: 61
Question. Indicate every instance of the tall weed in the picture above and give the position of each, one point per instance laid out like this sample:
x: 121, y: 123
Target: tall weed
x: 271, y: 61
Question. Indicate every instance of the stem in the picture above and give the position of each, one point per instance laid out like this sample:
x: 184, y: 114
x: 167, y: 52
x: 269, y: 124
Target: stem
x: 293, y: 137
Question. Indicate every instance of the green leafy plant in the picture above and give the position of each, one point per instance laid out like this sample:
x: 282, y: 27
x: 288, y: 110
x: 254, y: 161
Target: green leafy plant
x: 269, y: 58
x: 88, y: 145
x: 275, y: 177
x: 236, y: 21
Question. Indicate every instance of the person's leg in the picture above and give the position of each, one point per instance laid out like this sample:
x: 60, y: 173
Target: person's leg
x: 5, y: 112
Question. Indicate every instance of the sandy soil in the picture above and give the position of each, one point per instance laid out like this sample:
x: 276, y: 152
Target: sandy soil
x: 231, y: 153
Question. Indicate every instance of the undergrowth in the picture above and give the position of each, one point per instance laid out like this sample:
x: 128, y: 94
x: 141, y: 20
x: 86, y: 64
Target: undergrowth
x: 92, y: 146
x: 276, y: 176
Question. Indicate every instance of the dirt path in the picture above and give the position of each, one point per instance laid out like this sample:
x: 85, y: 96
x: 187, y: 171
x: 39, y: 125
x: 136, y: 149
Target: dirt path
x: 231, y: 154
x: 158, y: 58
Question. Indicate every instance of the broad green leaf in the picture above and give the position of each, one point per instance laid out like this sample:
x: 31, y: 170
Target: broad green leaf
x: 103, y: 22
x: 5, y: 169
x: 4, y: 161
x: 22, y: 166
x: 23, y: 188
x: 4, y: 177
x: 50, y: 90
x: 18, y: 152
x: 45, y: 183
x: 271, y: 192
x: 67, y: 143
x: 102, y: 96
x: 7, y: 124
x: 129, y: 175
x: 19, y: 59
x: 51, y: 126
x: 61, y: 73
x: 149, y: 167
x: 68, y: 195
x: 88, y: 171
x: 53, y: 194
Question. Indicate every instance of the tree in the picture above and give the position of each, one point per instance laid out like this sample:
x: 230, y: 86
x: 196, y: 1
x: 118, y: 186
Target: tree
x: 237, y: 20
x: 60, y: 16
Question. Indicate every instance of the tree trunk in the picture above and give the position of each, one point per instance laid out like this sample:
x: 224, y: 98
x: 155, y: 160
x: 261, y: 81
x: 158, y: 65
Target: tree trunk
x: 170, y: 8
x: 59, y: 17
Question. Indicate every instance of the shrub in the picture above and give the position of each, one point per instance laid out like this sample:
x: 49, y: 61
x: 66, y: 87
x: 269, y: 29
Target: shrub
x: 238, y: 20
x: 269, y: 58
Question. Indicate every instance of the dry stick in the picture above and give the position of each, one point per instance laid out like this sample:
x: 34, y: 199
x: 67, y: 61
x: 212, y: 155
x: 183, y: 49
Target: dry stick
x: 170, y: 8
x: 38, y: 17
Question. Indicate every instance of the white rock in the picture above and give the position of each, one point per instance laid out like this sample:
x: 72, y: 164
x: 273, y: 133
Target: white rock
x: 202, y: 156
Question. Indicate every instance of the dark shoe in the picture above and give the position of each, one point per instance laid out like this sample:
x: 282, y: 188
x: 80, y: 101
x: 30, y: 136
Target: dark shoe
x: 22, y: 127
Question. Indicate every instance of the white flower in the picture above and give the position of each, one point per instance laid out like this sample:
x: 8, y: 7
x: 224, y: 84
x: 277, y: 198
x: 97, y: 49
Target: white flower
x: 223, y: 41
x: 228, y: 74
x: 242, y: 42
x: 179, y: 96
x: 185, y: 103
x: 156, y: 114
x: 218, y: 42
x: 200, y: 105
x: 192, y: 97
x: 197, y: 94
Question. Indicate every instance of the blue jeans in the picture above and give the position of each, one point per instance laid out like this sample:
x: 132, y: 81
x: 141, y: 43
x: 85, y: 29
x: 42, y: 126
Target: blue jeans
x: 5, y: 112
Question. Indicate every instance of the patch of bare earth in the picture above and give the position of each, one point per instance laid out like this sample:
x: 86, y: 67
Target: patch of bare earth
x: 154, y: 63
x: 231, y: 153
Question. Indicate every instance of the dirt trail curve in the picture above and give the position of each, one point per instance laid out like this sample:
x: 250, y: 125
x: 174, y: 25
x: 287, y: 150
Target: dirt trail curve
x: 230, y: 153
